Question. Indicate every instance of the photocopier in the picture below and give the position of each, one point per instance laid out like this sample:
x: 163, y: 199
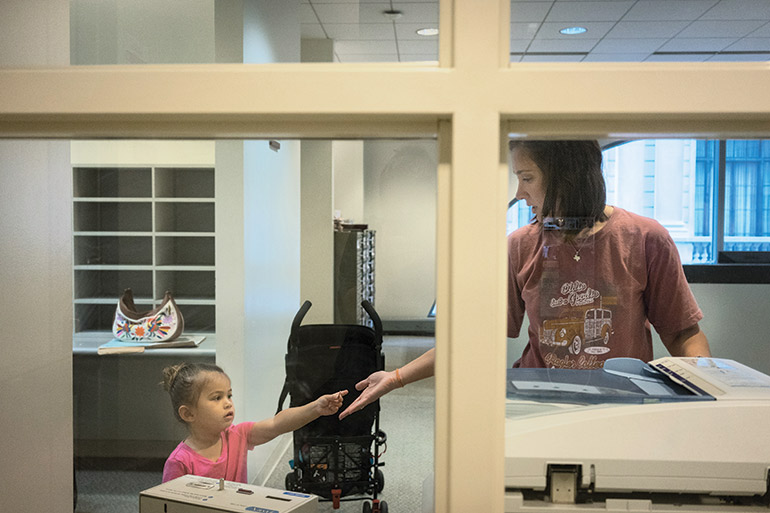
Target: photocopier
x: 672, y: 435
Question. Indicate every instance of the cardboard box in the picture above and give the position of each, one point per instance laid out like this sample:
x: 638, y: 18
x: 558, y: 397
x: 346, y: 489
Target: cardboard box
x: 194, y: 494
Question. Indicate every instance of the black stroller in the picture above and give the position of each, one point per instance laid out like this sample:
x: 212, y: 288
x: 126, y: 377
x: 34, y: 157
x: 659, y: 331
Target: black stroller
x: 332, y: 458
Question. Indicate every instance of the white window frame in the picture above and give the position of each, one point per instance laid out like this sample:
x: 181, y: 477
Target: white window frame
x: 471, y: 101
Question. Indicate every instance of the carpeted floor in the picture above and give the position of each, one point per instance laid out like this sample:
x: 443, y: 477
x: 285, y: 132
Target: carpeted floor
x: 406, y: 416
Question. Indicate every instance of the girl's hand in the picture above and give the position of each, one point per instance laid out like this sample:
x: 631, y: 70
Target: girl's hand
x: 329, y: 404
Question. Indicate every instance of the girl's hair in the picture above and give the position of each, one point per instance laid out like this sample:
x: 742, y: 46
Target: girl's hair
x: 574, y: 184
x: 184, y: 383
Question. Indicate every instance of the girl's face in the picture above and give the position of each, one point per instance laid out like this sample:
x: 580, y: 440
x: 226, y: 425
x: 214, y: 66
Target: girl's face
x: 214, y: 411
x: 531, y: 181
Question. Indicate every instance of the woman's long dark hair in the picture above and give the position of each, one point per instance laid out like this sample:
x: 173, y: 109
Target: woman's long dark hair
x: 574, y: 185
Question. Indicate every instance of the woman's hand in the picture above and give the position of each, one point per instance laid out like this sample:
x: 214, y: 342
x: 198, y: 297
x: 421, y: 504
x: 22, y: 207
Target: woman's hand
x: 330, y: 403
x: 375, y: 386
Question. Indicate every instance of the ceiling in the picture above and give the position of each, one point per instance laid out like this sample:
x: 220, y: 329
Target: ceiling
x: 616, y: 30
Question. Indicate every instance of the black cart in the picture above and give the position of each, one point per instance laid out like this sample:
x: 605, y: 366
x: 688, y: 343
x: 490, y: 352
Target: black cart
x: 336, y: 460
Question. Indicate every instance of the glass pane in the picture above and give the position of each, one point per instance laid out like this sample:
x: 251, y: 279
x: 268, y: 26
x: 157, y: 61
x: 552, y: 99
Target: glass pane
x: 172, y: 215
x: 671, y: 181
x: 205, y: 31
x: 747, y: 189
x: 623, y: 31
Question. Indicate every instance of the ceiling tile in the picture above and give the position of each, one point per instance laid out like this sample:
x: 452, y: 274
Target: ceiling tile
x: 312, y: 31
x: 529, y: 11
x: 371, y: 31
x: 638, y: 45
x: 365, y: 47
x: 667, y: 10
x: 562, y: 45
x: 575, y: 11
x: 721, y: 28
x: 423, y: 47
x: 552, y: 58
x: 633, y: 29
x: 519, y: 45
x: 681, y: 44
x: 739, y: 10
x: 751, y: 44
x: 678, y: 58
x: 423, y: 12
x: 615, y: 57
x: 306, y: 14
x: 743, y: 57
x: 337, y: 13
x: 373, y: 13
x: 763, y: 31
x: 524, y: 30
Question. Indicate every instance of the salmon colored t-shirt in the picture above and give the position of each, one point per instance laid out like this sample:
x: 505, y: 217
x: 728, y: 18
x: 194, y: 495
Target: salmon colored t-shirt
x: 231, y: 464
x: 595, y: 298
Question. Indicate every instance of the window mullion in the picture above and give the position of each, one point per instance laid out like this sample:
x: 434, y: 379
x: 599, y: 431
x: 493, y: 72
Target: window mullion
x: 719, y: 188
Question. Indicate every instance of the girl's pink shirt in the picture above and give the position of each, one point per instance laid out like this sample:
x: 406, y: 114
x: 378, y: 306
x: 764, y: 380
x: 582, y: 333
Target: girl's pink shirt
x: 231, y: 464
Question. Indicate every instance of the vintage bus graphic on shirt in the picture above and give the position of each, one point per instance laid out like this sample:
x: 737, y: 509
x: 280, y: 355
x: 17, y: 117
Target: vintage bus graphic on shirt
x: 576, y: 333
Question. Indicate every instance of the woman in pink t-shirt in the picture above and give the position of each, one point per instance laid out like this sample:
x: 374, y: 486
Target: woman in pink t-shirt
x: 202, y: 399
x: 590, y: 277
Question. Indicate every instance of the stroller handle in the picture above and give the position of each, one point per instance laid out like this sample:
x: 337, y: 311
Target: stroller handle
x: 298, y: 318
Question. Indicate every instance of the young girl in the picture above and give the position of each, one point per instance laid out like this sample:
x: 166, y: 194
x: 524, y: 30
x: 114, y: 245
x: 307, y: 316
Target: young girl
x: 202, y: 399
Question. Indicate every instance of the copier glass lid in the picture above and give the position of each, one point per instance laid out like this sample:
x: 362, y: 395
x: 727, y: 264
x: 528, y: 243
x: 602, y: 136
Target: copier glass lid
x: 631, y: 381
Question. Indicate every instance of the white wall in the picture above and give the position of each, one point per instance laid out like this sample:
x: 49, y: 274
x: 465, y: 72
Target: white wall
x: 317, y: 253
x: 142, y: 32
x: 36, y: 283
x: 736, y: 320
x: 400, y: 204
x: 348, y: 168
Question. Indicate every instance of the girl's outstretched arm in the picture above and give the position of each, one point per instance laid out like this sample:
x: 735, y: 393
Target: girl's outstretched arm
x: 294, y: 418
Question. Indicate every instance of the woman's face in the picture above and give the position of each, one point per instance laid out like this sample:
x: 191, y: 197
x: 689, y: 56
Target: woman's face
x: 531, y: 181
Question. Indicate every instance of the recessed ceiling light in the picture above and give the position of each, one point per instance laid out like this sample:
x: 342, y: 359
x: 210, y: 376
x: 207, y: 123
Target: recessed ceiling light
x: 427, y: 32
x: 571, y: 31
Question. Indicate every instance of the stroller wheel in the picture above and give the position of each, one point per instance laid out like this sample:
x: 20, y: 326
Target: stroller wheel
x: 291, y: 481
x: 380, y: 478
x: 378, y: 507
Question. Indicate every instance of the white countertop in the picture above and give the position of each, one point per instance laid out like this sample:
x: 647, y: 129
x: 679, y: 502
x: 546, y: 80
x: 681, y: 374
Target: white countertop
x: 88, y: 343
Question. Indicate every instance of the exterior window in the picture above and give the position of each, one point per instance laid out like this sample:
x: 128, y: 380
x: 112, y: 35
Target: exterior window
x: 675, y: 181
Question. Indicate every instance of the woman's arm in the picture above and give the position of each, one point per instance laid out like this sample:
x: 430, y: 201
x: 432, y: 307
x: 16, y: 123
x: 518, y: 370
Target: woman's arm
x: 294, y: 418
x: 688, y: 342
x: 381, y: 382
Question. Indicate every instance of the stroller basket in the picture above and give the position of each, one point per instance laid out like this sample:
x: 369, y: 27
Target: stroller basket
x: 333, y: 458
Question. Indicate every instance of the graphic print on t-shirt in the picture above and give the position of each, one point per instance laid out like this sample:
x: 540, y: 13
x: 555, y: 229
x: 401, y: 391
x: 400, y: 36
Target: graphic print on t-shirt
x: 576, y: 326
